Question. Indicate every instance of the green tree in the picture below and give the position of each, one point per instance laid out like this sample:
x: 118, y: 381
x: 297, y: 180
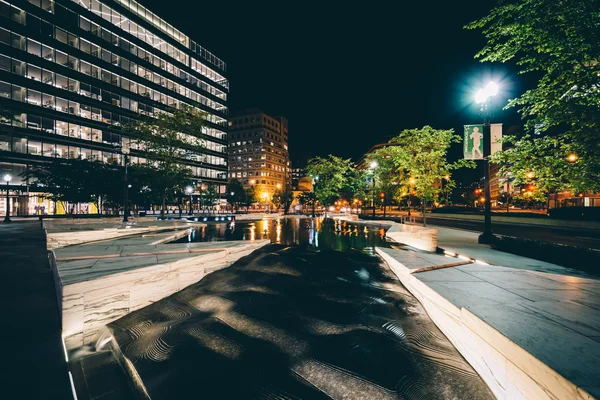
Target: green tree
x: 560, y: 42
x: 387, y: 176
x: 209, y: 195
x: 167, y: 140
x: 308, y: 199
x: 251, y: 196
x: 331, y: 175
x: 78, y: 181
x: 420, y: 155
x: 236, y: 194
x: 283, y: 198
x: 356, y: 186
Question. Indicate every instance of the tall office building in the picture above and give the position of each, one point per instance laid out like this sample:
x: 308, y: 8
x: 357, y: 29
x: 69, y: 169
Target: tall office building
x: 72, y: 72
x: 258, y: 152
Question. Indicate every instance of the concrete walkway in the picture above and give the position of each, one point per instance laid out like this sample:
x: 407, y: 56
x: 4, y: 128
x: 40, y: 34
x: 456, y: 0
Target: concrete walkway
x: 36, y: 367
x: 529, y: 334
x: 465, y: 243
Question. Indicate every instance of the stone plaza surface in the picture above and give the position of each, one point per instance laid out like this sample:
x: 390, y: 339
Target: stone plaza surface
x: 103, y: 280
x: 529, y: 334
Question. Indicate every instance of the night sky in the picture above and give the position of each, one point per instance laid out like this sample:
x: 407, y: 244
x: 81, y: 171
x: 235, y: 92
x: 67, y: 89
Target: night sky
x: 351, y: 75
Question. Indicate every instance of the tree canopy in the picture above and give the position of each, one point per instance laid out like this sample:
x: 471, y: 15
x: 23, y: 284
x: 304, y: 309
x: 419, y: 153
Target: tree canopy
x: 283, y: 198
x: 417, y: 158
x: 560, y: 42
x: 331, y: 175
x: 167, y: 140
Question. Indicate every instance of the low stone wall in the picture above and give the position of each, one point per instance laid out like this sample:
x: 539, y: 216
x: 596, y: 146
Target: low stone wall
x: 88, y: 306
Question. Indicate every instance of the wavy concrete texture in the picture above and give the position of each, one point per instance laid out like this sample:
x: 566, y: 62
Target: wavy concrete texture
x: 101, y: 281
x: 289, y: 323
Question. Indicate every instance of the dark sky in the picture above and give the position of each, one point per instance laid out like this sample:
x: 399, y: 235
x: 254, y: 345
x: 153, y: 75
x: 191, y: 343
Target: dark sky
x: 348, y: 75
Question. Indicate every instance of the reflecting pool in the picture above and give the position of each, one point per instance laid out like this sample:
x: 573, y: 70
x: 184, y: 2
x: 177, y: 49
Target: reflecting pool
x: 304, y: 232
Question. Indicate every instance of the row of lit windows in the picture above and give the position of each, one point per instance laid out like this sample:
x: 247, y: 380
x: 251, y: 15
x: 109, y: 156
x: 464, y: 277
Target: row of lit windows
x: 47, y: 149
x: 18, y: 15
x: 150, y: 17
x: 56, y: 103
x: 133, y: 28
x: 145, y: 35
x: 172, y: 32
x: 110, y: 37
x: 61, y: 58
x: 63, y: 128
x: 250, y: 174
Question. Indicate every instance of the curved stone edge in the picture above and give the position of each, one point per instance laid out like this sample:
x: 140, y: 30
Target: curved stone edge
x: 87, y: 307
x: 510, y: 371
x: 419, y: 237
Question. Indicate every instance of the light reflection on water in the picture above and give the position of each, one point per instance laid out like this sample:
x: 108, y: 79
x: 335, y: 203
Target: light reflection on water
x: 305, y: 232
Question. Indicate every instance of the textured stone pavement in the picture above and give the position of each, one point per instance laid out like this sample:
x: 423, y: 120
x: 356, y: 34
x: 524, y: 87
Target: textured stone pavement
x: 287, y: 323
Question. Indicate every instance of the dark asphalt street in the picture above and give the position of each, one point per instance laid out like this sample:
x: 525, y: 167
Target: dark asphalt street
x: 295, y: 323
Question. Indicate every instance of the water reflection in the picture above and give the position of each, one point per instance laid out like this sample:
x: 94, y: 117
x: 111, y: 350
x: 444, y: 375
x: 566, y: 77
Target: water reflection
x: 305, y: 232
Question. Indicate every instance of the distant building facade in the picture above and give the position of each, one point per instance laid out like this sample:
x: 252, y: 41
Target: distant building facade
x: 258, y: 152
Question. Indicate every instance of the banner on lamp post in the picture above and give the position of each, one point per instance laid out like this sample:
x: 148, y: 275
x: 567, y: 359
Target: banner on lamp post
x: 473, y: 142
x: 496, y: 132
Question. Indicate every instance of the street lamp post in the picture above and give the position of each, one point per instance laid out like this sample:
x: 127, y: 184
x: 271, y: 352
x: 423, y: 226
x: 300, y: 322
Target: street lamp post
x: 411, y: 182
x: 7, y: 179
x: 484, y: 97
x: 372, y: 166
x: 189, y: 190
x: 314, y: 199
x: 125, y: 151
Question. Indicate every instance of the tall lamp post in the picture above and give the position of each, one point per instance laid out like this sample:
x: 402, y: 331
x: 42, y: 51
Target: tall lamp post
x: 125, y: 150
x: 189, y: 190
x: 7, y: 179
x: 411, y: 182
x: 372, y: 167
x: 447, y: 177
x: 484, y: 98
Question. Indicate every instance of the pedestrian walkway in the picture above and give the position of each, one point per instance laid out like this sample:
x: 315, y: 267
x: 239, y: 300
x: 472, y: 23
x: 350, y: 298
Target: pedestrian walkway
x: 36, y: 367
x: 465, y: 243
x: 529, y: 334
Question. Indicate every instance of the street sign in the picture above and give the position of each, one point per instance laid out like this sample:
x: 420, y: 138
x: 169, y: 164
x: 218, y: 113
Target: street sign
x: 473, y: 142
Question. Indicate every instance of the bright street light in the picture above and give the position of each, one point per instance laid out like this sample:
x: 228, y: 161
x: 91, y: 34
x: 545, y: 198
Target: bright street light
x: 189, y: 190
x: 572, y: 157
x: 482, y: 95
x: 373, y: 164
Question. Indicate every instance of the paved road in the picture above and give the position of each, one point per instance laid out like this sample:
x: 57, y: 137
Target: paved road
x: 290, y: 323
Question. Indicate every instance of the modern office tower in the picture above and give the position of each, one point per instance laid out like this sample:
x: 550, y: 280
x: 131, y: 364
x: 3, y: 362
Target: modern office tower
x: 72, y: 72
x: 258, y: 152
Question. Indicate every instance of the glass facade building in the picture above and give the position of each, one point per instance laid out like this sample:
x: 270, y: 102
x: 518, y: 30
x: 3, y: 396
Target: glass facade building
x: 72, y: 72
